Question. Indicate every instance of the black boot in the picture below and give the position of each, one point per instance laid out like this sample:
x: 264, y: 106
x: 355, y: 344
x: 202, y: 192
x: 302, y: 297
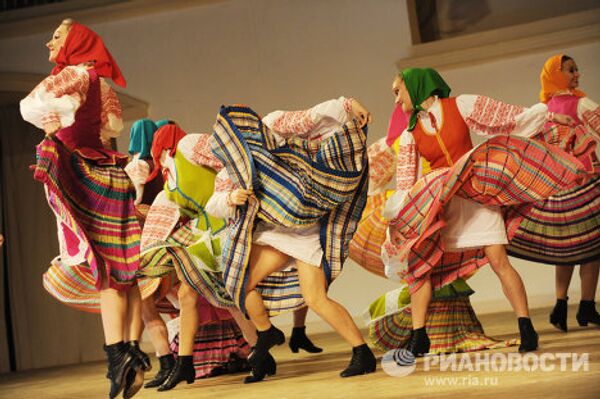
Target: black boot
x: 135, y: 376
x: 362, y: 362
x: 167, y: 362
x: 266, y: 340
x: 529, y: 338
x: 299, y: 340
x: 558, y: 317
x: 418, y: 343
x: 237, y: 364
x: 587, y: 313
x: 183, y: 371
x: 261, y: 370
x: 120, y: 362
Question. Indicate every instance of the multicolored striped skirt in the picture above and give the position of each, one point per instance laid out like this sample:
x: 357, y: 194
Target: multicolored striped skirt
x: 98, y: 231
x: 505, y: 171
x: 565, y: 228
x: 451, y: 323
x: 300, y: 183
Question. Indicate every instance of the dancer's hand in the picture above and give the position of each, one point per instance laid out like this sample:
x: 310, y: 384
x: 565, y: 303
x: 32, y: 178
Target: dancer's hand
x: 239, y: 196
x: 51, y: 128
x: 1, y: 240
x: 563, y: 119
x: 361, y: 113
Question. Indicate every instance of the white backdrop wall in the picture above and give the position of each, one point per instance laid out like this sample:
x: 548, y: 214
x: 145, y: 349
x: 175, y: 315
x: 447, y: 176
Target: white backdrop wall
x: 284, y: 54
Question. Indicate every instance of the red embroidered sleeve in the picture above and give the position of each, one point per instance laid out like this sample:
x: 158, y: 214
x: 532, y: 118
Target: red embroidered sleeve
x: 110, y: 105
x: 294, y: 122
x: 381, y: 164
x: 202, y: 154
x: 492, y: 117
x: 407, y: 168
x: 70, y: 82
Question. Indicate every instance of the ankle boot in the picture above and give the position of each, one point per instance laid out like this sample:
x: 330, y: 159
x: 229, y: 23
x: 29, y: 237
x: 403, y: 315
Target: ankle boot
x: 362, y: 362
x: 120, y: 362
x: 135, y: 376
x: 418, y: 343
x: 587, y: 313
x: 183, y: 371
x: 259, y: 372
x: 266, y: 340
x: 299, y: 340
x: 237, y: 364
x: 529, y: 338
x: 558, y: 317
x: 144, y: 359
x: 167, y: 362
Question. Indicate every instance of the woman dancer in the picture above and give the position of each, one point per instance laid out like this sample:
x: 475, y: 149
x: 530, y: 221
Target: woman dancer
x: 451, y: 320
x: 565, y: 229
x: 98, y: 231
x: 294, y: 186
x: 447, y: 224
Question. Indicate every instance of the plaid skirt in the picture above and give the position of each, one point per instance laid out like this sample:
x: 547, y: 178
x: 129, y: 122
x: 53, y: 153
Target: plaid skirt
x: 505, y: 171
x: 301, y: 183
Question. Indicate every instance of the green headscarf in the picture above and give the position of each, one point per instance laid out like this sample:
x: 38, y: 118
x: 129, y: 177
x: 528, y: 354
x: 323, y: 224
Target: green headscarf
x: 422, y: 83
x: 140, y: 138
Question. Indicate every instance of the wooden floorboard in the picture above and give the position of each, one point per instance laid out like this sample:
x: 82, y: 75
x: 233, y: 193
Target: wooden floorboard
x: 316, y: 376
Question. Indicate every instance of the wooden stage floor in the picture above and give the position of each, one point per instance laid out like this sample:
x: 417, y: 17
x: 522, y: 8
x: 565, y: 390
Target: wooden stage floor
x: 316, y: 376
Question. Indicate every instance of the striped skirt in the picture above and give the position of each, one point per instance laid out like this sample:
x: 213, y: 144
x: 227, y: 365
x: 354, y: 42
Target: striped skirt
x: 451, y: 323
x: 505, y: 171
x: 98, y: 231
x: 301, y: 183
x: 565, y: 228
x: 196, y: 255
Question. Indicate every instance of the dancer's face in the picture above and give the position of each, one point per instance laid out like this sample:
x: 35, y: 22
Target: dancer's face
x: 57, y: 41
x: 571, y: 73
x: 401, y: 94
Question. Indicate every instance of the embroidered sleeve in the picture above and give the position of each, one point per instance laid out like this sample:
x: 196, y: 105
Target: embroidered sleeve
x: 305, y: 123
x: 407, y: 166
x: 218, y: 204
x: 138, y: 171
x: 110, y: 115
x: 56, y: 98
x: 589, y: 113
x: 200, y: 152
x: 160, y: 221
x: 486, y: 116
x: 382, y: 165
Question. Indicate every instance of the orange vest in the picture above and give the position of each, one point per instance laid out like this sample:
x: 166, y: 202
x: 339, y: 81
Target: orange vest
x: 451, y: 141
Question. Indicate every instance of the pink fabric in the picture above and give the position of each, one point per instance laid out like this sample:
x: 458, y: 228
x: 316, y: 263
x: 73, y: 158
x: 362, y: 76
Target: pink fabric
x: 566, y: 105
x: 398, y: 123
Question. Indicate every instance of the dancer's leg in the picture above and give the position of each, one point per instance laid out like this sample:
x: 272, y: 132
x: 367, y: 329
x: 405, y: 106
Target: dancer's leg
x: 156, y: 327
x: 588, y: 273
x: 512, y: 285
x: 563, y: 276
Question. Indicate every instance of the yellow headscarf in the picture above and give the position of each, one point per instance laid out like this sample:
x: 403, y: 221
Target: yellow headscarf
x: 553, y: 80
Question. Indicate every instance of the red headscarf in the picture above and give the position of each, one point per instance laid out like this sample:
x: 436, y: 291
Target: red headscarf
x: 165, y: 138
x: 553, y: 80
x: 84, y: 45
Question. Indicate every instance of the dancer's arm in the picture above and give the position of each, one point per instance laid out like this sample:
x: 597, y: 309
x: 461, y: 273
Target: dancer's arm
x: 486, y: 116
x: 220, y: 204
x: 54, y: 102
x: 138, y: 171
x: 382, y: 165
x: 110, y: 115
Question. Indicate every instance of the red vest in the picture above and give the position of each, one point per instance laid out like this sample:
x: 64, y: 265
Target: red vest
x: 451, y: 141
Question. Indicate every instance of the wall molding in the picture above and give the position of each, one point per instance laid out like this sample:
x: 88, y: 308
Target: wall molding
x: 483, y: 47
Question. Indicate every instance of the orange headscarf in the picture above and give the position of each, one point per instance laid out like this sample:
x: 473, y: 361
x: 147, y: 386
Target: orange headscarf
x: 165, y: 138
x: 553, y: 80
x: 84, y: 45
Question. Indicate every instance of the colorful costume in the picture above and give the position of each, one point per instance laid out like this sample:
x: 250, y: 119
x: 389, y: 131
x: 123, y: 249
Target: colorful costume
x: 451, y: 321
x: 440, y: 222
x: 308, y: 171
x: 565, y: 228
x: 84, y: 180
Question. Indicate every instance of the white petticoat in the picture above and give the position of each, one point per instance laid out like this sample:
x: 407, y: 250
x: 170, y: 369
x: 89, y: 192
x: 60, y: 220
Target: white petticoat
x: 472, y: 225
x: 302, y: 244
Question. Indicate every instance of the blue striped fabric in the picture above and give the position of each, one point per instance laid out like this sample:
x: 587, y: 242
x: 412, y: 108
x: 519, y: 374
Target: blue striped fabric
x: 298, y: 184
